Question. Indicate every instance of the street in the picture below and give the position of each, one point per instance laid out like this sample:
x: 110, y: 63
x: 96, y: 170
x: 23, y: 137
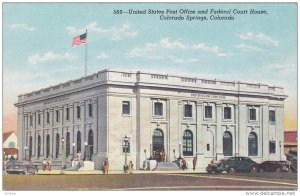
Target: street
x: 150, y: 181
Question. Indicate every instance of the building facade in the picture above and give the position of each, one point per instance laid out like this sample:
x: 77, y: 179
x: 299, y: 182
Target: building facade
x: 10, y: 143
x: 126, y: 115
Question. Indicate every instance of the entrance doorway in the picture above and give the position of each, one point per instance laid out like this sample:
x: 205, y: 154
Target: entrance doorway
x: 158, y: 145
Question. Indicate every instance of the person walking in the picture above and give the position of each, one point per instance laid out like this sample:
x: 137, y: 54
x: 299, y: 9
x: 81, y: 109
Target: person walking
x: 194, y: 163
x: 130, y: 167
x: 49, y: 163
x: 184, y: 166
x: 105, y: 166
x: 78, y: 157
x: 44, y: 164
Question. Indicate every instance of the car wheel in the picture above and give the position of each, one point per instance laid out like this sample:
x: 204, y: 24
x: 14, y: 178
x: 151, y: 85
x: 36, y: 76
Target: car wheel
x: 253, y: 169
x: 278, y: 170
x: 231, y: 170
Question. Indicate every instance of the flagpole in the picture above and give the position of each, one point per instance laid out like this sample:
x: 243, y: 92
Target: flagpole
x: 85, y: 59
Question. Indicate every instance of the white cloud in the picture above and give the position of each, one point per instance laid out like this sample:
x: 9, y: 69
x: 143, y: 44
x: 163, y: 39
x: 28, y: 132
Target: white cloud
x: 114, y: 33
x: 175, y: 59
x: 282, y: 68
x: 102, y: 56
x: 212, y: 49
x: 141, y: 51
x: 49, y: 56
x: 165, y: 43
x: 260, y: 37
x: 22, y: 27
x: 248, y: 47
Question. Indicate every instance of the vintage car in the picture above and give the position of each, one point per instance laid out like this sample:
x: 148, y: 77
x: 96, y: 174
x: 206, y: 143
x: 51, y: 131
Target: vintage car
x: 214, y: 167
x: 274, y: 166
x: 294, y: 161
x: 239, y: 164
x: 21, y: 167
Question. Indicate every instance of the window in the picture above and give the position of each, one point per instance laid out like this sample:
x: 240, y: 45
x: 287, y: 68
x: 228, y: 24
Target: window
x: 67, y: 113
x: 30, y: 120
x: 252, y: 144
x: 47, y: 145
x: 57, y: 146
x: 188, y: 110
x: 11, y: 145
x: 90, y: 110
x: 227, y: 144
x: 78, y: 111
x: 126, y: 146
x: 187, y: 143
x: 48, y: 117
x: 68, y: 144
x: 252, y: 115
x: 207, y: 147
x: 39, y: 147
x: 39, y: 119
x: 272, y: 147
x: 227, y: 113
x: 208, y: 111
x: 272, y: 116
x: 30, y: 147
x: 126, y: 107
x: 158, y: 109
x: 78, y: 141
x: 57, y: 115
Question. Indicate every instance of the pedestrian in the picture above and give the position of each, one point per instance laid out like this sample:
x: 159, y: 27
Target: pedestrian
x: 44, y: 164
x: 78, y: 157
x: 194, y: 163
x: 130, y: 167
x: 49, y: 163
x: 105, y: 166
x: 184, y: 167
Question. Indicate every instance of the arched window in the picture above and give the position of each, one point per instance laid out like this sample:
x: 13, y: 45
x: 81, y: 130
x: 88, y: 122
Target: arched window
x: 57, y: 146
x: 48, y: 145
x: 227, y: 144
x: 252, y: 144
x: 30, y: 147
x: 68, y: 144
x: 78, y: 141
x: 39, y: 147
x: 187, y: 143
x: 90, y: 143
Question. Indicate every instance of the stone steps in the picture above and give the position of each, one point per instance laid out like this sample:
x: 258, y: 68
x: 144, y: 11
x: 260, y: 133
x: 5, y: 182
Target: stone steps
x: 165, y: 166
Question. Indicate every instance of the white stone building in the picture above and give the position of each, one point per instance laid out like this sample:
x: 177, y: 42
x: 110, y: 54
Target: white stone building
x: 209, y: 119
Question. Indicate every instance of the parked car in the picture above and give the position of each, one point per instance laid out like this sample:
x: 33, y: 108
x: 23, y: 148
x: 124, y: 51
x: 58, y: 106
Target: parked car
x: 239, y: 164
x: 21, y: 167
x: 215, y: 167
x: 274, y: 166
x: 293, y: 159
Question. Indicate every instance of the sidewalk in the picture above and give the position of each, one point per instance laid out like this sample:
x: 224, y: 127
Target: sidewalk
x: 99, y: 172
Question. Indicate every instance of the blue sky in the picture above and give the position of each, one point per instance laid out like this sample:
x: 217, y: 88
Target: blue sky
x: 37, y: 48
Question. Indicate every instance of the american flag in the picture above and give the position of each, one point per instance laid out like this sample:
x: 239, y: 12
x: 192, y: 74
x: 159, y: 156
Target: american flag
x: 81, y: 39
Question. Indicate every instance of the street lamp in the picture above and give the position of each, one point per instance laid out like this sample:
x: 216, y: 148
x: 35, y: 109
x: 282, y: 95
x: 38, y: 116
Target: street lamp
x: 25, y: 149
x: 280, y: 149
x: 145, y: 151
x: 73, y: 145
x: 62, y: 155
x: 126, y: 140
x: 174, y: 154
